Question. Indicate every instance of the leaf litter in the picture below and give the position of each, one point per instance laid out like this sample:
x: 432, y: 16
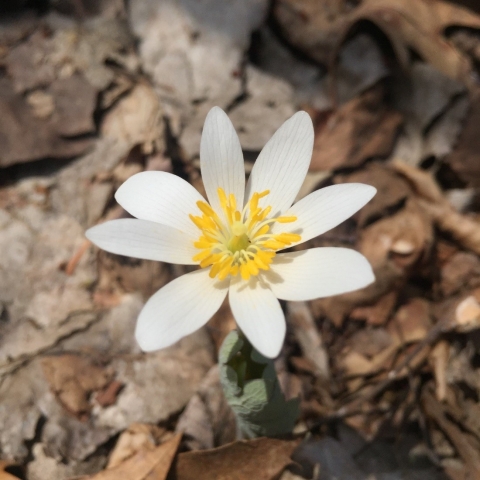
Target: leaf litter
x: 388, y: 376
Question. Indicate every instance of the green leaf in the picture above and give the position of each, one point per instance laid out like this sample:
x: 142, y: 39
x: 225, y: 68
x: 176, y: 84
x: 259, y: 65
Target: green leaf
x: 252, y: 390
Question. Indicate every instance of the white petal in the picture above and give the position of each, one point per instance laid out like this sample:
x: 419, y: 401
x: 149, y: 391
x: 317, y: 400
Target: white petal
x: 221, y: 159
x: 143, y: 239
x: 317, y: 273
x: 283, y: 163
x: 326, y: 208
x: 178, y: 309
x: 259, y: 316
x: 160, y: 197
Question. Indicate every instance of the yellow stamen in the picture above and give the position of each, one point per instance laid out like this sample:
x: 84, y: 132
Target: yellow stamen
x: 286, y: 219
x: 244, y: 245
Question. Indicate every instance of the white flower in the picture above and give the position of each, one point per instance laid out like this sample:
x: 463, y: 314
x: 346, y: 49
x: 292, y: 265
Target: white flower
x: 235, y: 237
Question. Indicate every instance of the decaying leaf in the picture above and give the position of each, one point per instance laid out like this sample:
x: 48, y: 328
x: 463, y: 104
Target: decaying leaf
x: 319, y: 29
x: 401, y: 240
x: 392, y: 190
x: 463, y: 228
x: 137, y: 120
x: 144, y: 465
x: 73, y: 378
x: 207, y: 420
x: 137, y: 437
x: 3, y: 474
x: 464, y: 159
x: 262, y: 459
x: 25, y: 137
x: 303, y: 324
x: 361, y: 129
x: 466, y: 446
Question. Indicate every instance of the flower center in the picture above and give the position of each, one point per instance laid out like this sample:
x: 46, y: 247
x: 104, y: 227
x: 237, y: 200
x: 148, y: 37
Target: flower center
x: 241, y: 242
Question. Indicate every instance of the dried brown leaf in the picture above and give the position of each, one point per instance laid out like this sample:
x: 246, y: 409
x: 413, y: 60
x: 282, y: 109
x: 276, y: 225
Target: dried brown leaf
x: 145, y: 465
x: 25, y: 137
x: 379, y: 312
x: 461, y: 270
x: 464, y: 158
x: 137, y: 119
x: 3, y: 474
x: 410, y: 227
x: 392, y: 190
x: 463, y: 228
x: 259, y: 459
x: 136, y: 438
x: 319, y: 28
x: 208, y: 421
x: 303, y: 324
x: 361, y: 129
x: 73, y: 378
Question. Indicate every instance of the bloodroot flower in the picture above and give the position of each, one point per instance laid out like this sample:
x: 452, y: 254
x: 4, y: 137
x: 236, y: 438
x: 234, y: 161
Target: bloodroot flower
x: 236, y: 237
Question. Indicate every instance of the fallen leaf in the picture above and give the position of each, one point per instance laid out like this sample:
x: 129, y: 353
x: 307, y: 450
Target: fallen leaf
x: 361, y: 129
x: 26, y: 137
x: 320, y: 28
x: 208, y: 421
x: 463, y: 228
x: 3, y: 474
x: 269, y: 103
x: 73, y: 378
x: 379, y: 312
x: 392, y: 190
x: 467, y: 314
x: 303, y: 324
x: 412, y: 322
x: 145, y: 465
x: 259, y: 459
x: 137, y: 119
x: 137, y: 437
x: 464, y: 158
x: 461, y: 270
x: 379, y: 241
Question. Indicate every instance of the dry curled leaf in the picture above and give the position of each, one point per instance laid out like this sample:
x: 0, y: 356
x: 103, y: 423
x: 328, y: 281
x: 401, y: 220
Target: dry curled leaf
x: 320, y: 27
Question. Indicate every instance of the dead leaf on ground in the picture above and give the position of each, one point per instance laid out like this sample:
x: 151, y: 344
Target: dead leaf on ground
x: 137, y: 119
x: 25, y: 137
x: 3, y: 474
x: 379, y: 312
x: 464, y: 158
x: 460, y: 271
x: 463, y: 228
x: 137, y: 437
x: 402, y: 239
x: 119, y: 274
x: 259, y: 459
x: 208, y: 421
x: 73, y: 378
x: 320, y: 28
x: 465, y: 444
x: 303, y: 324
x: 145, y: 465
x: 361, y: 129
x: 392, y: 190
